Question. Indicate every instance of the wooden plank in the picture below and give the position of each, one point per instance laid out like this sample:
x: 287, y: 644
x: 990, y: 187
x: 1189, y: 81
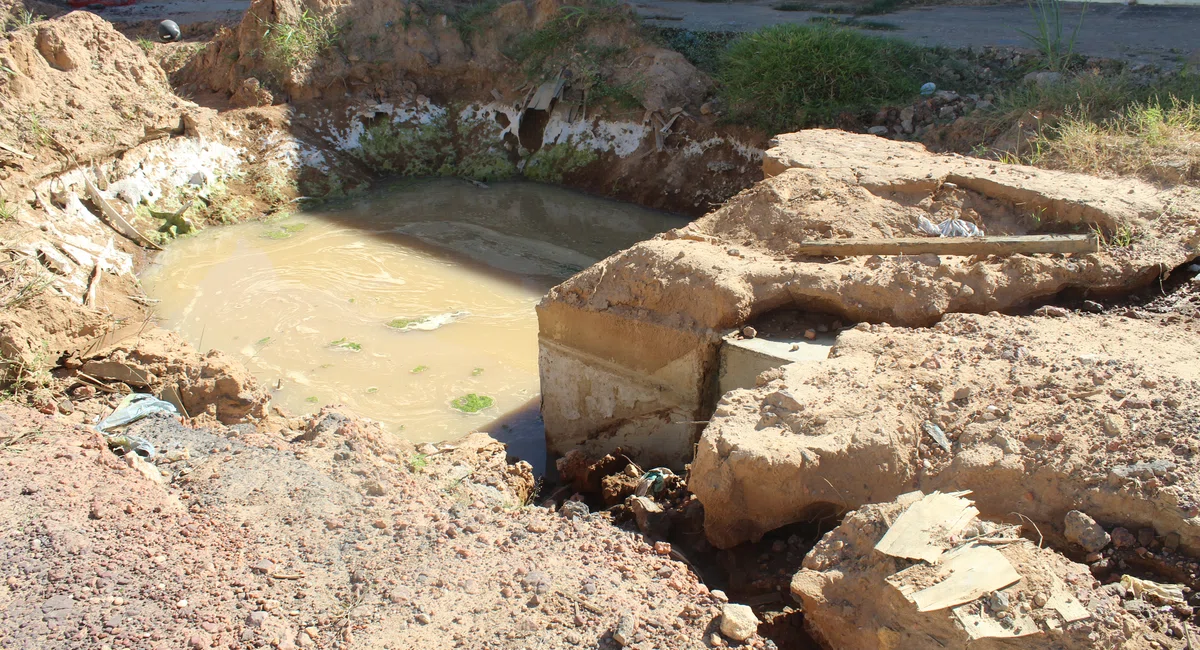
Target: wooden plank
x: 1002, y: 245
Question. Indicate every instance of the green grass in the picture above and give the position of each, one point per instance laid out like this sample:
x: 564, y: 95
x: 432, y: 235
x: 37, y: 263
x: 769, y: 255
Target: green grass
x: 22, y: 18
x: 418, y: 462
x: 290, y: 45
x: 702, y: 49
x: 472, y: 403
x: 8, y: 211
x: 345, y: 344
x: 312, y: 399
x: 786, y: 77
x: 146, y: 44
x: 551, y: 164
x: 401, y: 323
x: 419, y: 369
x: 476, y: 372
x: 1050, y: 38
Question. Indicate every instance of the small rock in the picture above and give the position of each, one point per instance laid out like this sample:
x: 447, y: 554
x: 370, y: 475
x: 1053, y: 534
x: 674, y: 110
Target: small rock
x: 263, y: 566
x: 749, y: 332
x: 878, y: 130
x: 423, y: 618
x: 1084, y: 531
x: 626, y: 628
x: 1050, y: 311
x: 1122, y: 538
x: 962, y: 393
x: 1146, y: 537
x: 662, y: 548
x: 719, y: 596
x: 257, y: 619
x: 1040, y: 600
x: 706, y: 108
x: 810, y: 334
x: 1093, y: 306
x: 999, y: 602
x: 66, y: 407
x: 198, y: 641
x: 738, y: 622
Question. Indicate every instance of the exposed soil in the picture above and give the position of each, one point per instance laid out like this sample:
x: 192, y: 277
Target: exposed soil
x: 252, y: 528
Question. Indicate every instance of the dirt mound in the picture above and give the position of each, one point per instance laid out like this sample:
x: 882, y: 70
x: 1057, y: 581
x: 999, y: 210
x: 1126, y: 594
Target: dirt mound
x: 160, y: 362
x: 856, y: 596
x: 87, y: 93
x: 388, y: 49
x: 1037, y: 416
x: 629, y: 344
x: 329, y: 535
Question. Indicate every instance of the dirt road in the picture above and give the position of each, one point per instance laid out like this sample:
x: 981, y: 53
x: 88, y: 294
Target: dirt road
x: 1160, y: 35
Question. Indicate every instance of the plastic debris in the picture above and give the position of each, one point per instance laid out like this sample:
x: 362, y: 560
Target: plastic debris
x: 928, y: 89
x: 938, y: 435
x: 1167, y: 593
x: 134, y: 407
x: 950, y: 228
x: 652, y: 481
x: 168, y: 31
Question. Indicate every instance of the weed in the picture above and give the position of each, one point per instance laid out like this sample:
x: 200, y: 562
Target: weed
x: 263, y: 341
x: 146, y: 44
x: 702, y: 49
x: 312, y: 399
x: 476, y: 372
x: 419, y: 369
x: 1123, y: 236
x: 550, y: 164
x: 472, y: 403
x: 788, y: 76
x: 403, y: 323
x: 372, y: 390
x: 290, y: 45
x: 8, y: 211
x: 1048, y: 38
x: 418, y: 462
x: 486, y: 165
x: 345, y: 344
x: 22, y: 18
x: 561, y: 44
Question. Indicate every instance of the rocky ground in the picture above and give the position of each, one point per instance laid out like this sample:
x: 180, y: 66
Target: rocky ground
x: 328, y: 536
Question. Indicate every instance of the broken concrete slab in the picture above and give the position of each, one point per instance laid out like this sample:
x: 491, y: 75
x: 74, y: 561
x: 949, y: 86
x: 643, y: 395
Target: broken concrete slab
x: 993, y: 587
x: 1021, y: 402
x: 629, y: 347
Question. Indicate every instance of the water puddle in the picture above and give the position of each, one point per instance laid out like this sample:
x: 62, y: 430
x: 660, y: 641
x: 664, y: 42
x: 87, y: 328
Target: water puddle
x: 412, y: 305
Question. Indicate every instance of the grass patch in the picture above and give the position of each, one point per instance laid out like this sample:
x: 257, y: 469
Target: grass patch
x: 1159, y: 140
x: 8, y: 211
x: 418, y: 462
x: 402, y: 323
x: 146, y: 44
x: 22, y: 18
x: 411, y: 150
x: 562, y: 44
x: 289, y: 45
x: 311, y: 399
x: 472, y: 403
x: 419, y: 369
x: 702, y: 49
x: 786, y: 77
x: 345, y: 344
x: 1049, y: 36
x: 476, y: 372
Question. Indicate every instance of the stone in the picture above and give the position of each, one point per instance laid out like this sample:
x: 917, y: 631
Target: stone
x: 706, y: 108
x: 878, y: 130
x: 650, y: 518
x: 1122, y: 538
x: 749, y: 332
x: 738, y: 622
x: 263, y: 566
x: 719, y: 596
x: 257, y: 618
x: 1083, y: 530
x: 199, y: 641
x: 625, y: 630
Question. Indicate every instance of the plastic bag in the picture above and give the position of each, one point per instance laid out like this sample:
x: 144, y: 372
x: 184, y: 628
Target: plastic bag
x: 134, y: 407
x: 950, y: 228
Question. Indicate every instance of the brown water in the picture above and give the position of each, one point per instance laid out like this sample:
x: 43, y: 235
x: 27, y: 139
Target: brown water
x: 305, y: 303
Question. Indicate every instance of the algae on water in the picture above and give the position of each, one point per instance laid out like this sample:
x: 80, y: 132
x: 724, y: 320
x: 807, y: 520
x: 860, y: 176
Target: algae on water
x: 472, y: 403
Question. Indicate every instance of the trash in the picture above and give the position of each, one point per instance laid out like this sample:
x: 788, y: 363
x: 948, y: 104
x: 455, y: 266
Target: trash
x: 115, y: 219
x: 1167, y: 593
x: 134, y: 407
x: 427, y: 323
x: 937, y: 434
x: 652, y: 481
x: 928, y: 89
x: 968, y: 572
x: 950, y: 228
x: 926, y: 528
x: 168, y: 31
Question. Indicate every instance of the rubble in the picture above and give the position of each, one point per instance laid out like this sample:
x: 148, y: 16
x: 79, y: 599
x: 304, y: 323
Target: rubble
x: 988, y: 585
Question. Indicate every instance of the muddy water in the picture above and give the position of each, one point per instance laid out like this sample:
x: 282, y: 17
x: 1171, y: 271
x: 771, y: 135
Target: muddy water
x: 398, y: 302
